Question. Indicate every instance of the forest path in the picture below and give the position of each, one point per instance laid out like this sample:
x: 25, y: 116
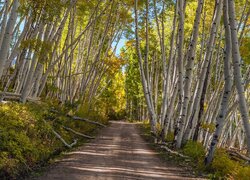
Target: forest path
x: 118, y: 152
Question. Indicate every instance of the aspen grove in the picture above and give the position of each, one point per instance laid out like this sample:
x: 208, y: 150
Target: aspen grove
x: 183, y: 66
x: 194, y: 74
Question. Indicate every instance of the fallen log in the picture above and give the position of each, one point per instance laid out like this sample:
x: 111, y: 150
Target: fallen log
x: 79, y: 118
x: 16, y: 97
x: 173, y: 152
x: 10, y: 94
x: 61, y: 138
x: 63, y: 141
x: 238, y: 155
x: 86, y: 120
x: 77, y: 133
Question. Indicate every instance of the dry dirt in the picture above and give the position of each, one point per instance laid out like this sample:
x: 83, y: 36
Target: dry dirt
x: 117, y: 153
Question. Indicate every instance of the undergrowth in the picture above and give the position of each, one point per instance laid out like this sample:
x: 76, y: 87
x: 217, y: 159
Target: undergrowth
x: 222, y: 167
x: 27, y: 141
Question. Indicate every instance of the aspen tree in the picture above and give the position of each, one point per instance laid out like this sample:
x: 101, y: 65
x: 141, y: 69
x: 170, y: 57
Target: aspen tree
x: 5, y: 45
x: 180, y: 123
x: 207, y: 58
x: 189, y: 67
x: 227, y: 87
x: 4, y: 20
x: 237, y: 72
x: 145, y: 83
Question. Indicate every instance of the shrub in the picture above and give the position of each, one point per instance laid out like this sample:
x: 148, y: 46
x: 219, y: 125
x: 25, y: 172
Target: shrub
x: 170, y: 137
x: 21, y: 138
x: 195, y: 150
x: 146, y: 126
x: 95, y: 113
x: 223, y: 166
x: 243, y: 173
x: 26, y: 140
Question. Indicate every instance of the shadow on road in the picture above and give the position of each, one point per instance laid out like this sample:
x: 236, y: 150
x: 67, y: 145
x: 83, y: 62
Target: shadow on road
x: 117, y: 153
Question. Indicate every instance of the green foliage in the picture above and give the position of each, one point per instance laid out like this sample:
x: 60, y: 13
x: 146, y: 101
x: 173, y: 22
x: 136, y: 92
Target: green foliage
x: 222, y: 165
x: 21, y: 137
x: 133, y: 85
x: 114, y: 97
x: 146, y: 126
x: 94, y: 113
x: 47, y: 9
x: 243, y: 173
x: 158, y: 129
x: 245, y: 50
x: 38, y: 46
x: 27, y: 141
x: 170, y: 137
x: 52, y: 88
x: 208, y: 126
x: 195, y: 150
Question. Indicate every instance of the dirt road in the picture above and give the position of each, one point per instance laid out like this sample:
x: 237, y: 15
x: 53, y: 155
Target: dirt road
x: 117, y: 153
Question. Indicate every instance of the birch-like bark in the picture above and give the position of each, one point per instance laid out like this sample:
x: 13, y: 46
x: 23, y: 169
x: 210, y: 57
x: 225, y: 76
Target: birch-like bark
x: 213, y: 32
x: 143, y: 76
x: 28, y: 84
x: 4, y: 20
x: 161, y: 35
x: 8, y: 36
x: 180, y: 123
x: 170, y: 70
x: 16, y: 50
x: 74, y: 43
x: 227, y: 87
x: 39, y: 73
x: 190, y: 65
x: 237, y: 72
x: 171, y: 52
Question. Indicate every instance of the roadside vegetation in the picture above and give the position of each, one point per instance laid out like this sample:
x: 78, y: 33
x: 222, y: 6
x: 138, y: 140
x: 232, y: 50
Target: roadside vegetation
x: 27, y: 139
x: 224, y: 166
x: 68, y: 66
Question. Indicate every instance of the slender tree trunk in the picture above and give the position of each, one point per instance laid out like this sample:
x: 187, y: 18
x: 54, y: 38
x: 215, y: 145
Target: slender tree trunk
x: 143, y: 76
x: 180, y: 123
x: 8, y: 36
x: 207, y: 59
x: 190, y: 64
x: 237, y: 72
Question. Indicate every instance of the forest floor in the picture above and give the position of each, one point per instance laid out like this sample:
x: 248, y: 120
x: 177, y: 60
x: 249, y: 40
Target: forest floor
x: 118, y: 152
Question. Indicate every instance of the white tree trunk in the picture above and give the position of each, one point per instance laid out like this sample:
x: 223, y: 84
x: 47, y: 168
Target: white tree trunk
x: 180, y: 123
x: 237, y: 72
x: 227, y: 89
x: 4, y: 20
x: 147, y: 93
x: 189, y: 67
x: 8, y: 36
x: 205, y: 66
